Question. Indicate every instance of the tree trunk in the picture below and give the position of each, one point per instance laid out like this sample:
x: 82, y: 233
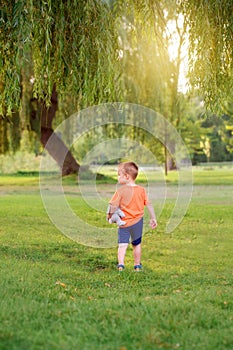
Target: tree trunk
x: 57, y: 149
x: 170, y: 164
x: 4, y: 143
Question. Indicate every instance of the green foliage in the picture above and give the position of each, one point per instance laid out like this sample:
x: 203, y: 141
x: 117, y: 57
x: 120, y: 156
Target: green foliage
x: 20, y: 161
x: 208, y: 26
x: 218, y: 136
x: 96, y: 51
x: 211, y: 53
x: 57, y: 294
x: 69, y: 43
x: 150, y: 77
x: 14, y: 38
x: 74, y: 44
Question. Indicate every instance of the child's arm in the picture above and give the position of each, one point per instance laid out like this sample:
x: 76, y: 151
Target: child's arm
x: 108, y: 215
x: 153, y: 221
x: 110, y: 210
x: 113, y: 205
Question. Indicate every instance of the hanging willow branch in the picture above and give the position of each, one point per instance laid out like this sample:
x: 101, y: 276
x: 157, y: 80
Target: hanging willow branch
x: 68, y: 43
x: 210, y: 31
x: 73, y: 44
x: 211, y: 50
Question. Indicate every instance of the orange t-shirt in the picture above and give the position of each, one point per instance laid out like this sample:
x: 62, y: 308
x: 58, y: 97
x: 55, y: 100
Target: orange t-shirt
x: 131, y: 200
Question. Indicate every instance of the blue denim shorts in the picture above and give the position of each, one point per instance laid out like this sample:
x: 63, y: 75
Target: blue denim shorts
x: 134, y: 232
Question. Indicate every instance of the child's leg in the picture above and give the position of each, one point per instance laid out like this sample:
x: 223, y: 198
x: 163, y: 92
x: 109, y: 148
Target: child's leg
x: 137, y: 250
x: 136, y: 242
x: 122, y: 247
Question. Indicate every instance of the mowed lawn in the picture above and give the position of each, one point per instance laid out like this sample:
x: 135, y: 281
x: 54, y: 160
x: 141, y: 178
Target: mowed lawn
x: 58, y: 294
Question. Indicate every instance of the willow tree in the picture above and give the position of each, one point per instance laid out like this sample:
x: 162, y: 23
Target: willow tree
x: 61, y: 48
x: 71, y: 48
x: 209, y: 27
x: 211, y: 50
x: 151, y: 76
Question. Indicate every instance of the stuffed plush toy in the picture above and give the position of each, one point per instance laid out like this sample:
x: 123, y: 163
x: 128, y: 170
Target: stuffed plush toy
x: 116, y: 217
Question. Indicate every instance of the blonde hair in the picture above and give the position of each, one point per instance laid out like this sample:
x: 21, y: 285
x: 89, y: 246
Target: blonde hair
x: 129, y: 168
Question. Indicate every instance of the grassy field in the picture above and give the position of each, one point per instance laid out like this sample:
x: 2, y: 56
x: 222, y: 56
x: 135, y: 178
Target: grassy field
x: 57, y: 294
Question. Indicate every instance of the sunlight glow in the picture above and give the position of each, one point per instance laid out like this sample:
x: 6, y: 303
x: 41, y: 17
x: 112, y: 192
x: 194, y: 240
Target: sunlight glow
x: 175, y: 30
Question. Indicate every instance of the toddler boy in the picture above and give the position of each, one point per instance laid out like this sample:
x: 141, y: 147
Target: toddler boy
x: 131, y: 199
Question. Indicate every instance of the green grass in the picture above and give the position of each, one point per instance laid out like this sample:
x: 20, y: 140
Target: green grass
x: 57, y: 294
x: 201, y: 176
x: 108, y: 175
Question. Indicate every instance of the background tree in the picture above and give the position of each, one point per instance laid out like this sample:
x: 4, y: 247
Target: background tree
x: 219, y: 136
x: 69, y: 48
x: 60, y: 49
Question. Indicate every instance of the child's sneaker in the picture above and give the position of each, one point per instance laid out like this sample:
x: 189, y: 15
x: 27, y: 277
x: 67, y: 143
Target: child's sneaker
x: 120, y: 267
x: 138, y: 267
